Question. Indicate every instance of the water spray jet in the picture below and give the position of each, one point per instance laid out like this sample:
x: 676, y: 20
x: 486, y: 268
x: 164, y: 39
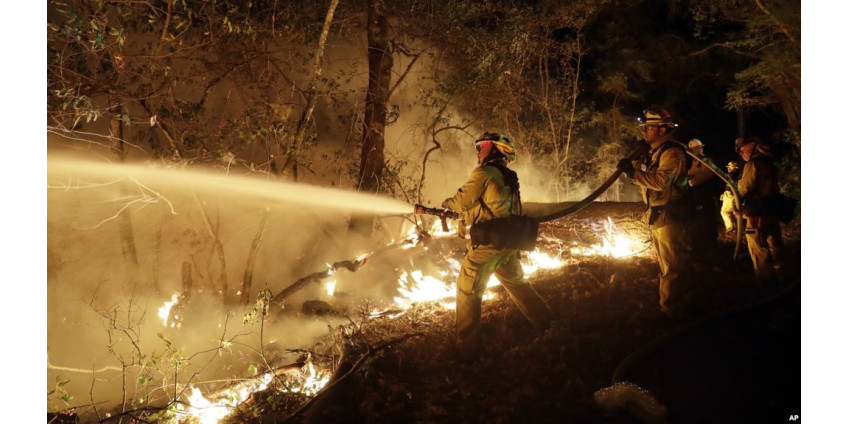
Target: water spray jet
x: 85, y: 173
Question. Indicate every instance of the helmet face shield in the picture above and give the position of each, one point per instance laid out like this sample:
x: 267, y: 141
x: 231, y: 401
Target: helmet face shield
x: 498, y: 141
x: 483, y: 144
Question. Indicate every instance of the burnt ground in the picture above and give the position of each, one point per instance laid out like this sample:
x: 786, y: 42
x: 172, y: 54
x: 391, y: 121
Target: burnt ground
x: 733, y: 364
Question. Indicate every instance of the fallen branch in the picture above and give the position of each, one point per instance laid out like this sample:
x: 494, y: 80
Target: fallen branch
x: 350, y: 265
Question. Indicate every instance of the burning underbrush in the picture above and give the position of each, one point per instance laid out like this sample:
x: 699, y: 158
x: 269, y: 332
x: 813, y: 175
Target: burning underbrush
x: 392, y: 360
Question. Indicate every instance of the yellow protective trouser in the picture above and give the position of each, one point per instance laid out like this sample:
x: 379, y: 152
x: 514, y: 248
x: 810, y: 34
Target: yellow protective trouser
x: 727, y: 214
x: 477, y: 267
x: 765, y: 244
x: 675, y: 275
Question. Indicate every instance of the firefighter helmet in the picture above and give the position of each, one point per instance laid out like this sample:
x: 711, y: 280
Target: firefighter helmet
x: 656, y: 115
x: 743, y: 141
x: 732, y: 166
x: 501, y: 142
x: 695, y: 143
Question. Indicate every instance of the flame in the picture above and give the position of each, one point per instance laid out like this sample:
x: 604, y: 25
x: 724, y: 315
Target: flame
x: 204, y: 410
x: 165, y: 310
x: 414, y: 287
x: 536, y: 260
x: 207, y: 411
x: 437, y: 231
x: 211, y: 409
x: 613, y: 243
x: 315, y: 381
x: 392, y: 314
x: 417, y: 287
x: 411, y: 240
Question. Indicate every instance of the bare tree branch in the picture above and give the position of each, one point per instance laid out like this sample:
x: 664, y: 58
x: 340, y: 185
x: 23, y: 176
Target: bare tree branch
x: 726, y: 46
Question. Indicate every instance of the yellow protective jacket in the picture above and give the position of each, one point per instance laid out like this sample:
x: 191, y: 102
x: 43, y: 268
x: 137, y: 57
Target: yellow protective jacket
x: 663, y: 180
x: 700, y: 173
x: 485, y: 184
x: 759, y: 179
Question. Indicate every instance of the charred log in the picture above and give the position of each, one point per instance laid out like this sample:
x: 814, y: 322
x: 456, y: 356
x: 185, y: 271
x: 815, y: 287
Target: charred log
x: 350, y: 265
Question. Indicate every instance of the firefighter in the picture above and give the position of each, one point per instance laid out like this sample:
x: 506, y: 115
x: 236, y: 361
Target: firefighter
x: 491, y: 191
x: 705, y: 189
x: 728, y: 214
x: 662, y: 182
x: 759, y: 180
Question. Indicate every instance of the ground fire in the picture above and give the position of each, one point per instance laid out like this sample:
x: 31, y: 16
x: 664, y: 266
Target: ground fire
x: 414, y: 288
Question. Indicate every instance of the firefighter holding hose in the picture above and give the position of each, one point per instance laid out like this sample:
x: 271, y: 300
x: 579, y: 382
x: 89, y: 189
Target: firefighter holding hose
x: 491, y: 192
x: 662, y: 182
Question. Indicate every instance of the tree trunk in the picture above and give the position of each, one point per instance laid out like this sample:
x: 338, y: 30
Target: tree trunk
x: 218, y: 246
x: 575, y: 91
x: 186, y: 281
x: 247, y: 283
x: 376, y: 99
x: 312, y: 92
x: 125, y: 229
x: 157, y: 261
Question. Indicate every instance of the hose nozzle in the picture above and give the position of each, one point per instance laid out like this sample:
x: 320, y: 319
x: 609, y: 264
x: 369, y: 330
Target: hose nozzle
x: 441, y: 213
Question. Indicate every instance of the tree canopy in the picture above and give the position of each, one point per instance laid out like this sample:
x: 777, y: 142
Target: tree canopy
x: 235, y: 82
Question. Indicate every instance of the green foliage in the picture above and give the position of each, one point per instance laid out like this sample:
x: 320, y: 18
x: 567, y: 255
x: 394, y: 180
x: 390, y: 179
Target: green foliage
x: 260, y: 308
x: 765, y: 37
x: 59, y: 392
x: 176, y: 357
x: 225, y: 79
x: 148, y: 55
x: 788, y: 150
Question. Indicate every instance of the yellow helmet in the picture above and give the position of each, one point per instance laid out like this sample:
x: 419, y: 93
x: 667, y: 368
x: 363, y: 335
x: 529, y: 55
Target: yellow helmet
x: 656, y: 115
x: 501, y: 142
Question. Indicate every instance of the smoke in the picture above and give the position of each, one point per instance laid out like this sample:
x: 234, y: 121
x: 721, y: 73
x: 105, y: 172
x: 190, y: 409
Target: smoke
x: 102, y: 307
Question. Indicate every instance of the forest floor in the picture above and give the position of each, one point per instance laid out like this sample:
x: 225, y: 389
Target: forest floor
x: 728, y: 364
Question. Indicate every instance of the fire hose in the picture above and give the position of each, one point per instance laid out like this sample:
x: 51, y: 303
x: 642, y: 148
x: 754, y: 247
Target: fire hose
x: 600, y: 190
x: 444, y: 214
x: 730, y: 183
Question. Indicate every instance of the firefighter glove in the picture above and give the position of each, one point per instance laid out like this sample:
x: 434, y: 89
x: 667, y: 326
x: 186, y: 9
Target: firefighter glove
x: 626, y: 166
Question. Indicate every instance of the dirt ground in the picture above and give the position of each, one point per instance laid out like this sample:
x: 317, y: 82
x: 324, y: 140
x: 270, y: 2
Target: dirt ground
x: 731, y: 363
